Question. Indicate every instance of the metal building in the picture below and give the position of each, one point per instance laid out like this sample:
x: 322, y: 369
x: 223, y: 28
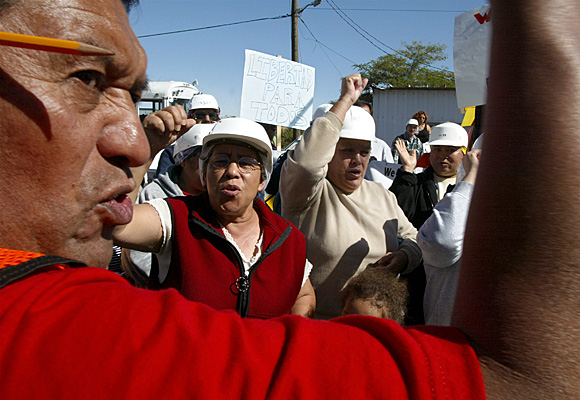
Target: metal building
x: 393, y: 107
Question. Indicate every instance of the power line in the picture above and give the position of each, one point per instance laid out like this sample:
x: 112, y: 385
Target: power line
x: 213, y: 26
x: 333, y: 5
x: 393, y: 10
x: 353, y: 27
x: 287, y: 16
x: 321, y: 44
x: 336, y: 9
x: 358, y: 28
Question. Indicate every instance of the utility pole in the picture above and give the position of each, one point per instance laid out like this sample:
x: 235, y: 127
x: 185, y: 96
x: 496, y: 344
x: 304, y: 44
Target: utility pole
x: 295, y: 54
x: 295, y: 20
x: 294, y: 36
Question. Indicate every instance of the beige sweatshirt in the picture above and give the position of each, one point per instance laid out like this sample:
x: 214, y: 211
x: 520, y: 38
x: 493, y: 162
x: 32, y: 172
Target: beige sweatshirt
x: 344, y: 232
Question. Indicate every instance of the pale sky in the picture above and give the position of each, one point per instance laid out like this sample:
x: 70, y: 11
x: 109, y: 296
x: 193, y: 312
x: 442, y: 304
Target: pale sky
x: 215, y: 57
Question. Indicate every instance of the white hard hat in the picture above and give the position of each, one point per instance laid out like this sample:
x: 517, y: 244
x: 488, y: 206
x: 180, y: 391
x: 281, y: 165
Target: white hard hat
x: 448, y: 134
x: 202, y: 100
x: 321, y: 110
x: 189, y: 140
x: 412, y: 121
x: 243, y: 130
x: 358, y: 124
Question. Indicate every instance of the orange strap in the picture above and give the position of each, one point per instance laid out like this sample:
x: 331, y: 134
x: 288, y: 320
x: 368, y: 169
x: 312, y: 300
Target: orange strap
x: 9, y: 257
x: 16, y: 265
x: 14, y: 257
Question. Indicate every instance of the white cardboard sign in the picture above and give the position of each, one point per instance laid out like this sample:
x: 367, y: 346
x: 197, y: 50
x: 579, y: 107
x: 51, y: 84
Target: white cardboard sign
x: 383, y: 172
x: 277, y: 91
x: 471, y: 46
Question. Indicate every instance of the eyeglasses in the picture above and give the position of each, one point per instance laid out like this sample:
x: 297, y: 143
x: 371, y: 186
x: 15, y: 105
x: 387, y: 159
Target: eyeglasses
x: 200, y: 115
x: 245, y: 164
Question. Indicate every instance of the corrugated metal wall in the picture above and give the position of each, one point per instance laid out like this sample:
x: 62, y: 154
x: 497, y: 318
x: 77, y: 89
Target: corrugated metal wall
x: 393, y: 107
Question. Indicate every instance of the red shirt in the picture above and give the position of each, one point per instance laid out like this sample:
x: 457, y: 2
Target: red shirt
x: 86, y: 333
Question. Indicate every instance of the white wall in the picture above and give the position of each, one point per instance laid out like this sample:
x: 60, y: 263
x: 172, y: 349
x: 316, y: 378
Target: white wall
x: 393, y: 107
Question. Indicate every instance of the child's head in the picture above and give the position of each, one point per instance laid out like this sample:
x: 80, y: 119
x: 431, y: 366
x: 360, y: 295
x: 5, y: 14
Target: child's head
x: 376, y: 292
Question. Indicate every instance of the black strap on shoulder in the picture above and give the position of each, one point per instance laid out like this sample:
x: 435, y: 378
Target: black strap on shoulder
x: 12, y: 273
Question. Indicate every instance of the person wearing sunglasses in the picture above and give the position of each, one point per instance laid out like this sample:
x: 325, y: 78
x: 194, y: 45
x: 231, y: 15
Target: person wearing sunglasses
x: 204, y: 116
x: 203, y: 108
x: 226, y: 248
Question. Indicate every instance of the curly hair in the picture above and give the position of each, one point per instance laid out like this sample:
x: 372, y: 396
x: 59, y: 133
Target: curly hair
x: 381, y: 287
x: 418, y: 113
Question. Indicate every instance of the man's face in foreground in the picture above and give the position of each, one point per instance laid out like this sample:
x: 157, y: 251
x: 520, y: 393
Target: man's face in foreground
x: 69, y: 131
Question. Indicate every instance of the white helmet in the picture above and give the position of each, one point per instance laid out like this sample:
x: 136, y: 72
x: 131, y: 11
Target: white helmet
x: 448, y: 134
x: 243, y: 130
x: 202, y: 100
x: 191, y: 139
x: 321, y: 110
x: 358, y: 124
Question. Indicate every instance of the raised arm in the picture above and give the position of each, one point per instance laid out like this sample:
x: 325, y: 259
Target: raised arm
x: 144, y: 232
x: 306, y: 166
x: 350, y: 91
x: 409, y: 161
x: 162, y: 128
x: 519, y: 288
x: 441, y: 236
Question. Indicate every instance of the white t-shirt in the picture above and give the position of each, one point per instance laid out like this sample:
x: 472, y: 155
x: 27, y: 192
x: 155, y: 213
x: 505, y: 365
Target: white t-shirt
x: 441, y: 185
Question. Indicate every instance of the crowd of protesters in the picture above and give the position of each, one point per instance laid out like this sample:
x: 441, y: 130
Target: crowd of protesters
x: 349, y: 223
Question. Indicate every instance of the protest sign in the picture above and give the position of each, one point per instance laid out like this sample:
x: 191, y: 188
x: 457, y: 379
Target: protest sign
x: 277, y: 91
x: 382, y: 172
x: 471, y: 46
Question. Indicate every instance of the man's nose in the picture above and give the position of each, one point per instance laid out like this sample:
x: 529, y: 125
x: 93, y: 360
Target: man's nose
x: 123, y: 141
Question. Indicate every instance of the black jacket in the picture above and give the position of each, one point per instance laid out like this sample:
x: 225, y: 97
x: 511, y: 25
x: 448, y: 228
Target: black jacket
x: 416, y: 194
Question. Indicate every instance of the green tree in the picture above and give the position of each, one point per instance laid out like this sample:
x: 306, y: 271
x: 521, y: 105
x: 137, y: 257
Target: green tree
x: 410, y: 66
x: 288, y: 135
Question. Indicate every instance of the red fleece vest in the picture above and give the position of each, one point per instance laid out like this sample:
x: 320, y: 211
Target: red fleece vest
x: 205, y: 267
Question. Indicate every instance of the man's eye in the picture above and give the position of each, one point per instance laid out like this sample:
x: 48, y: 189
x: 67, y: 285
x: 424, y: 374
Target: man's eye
x: 90, y: 78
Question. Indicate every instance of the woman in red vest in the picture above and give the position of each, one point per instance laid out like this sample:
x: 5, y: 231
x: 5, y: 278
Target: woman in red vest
x: 225, y: 248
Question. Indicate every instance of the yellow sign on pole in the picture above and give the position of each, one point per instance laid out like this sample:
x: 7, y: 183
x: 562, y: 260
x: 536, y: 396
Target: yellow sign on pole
x: 469, y: 116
